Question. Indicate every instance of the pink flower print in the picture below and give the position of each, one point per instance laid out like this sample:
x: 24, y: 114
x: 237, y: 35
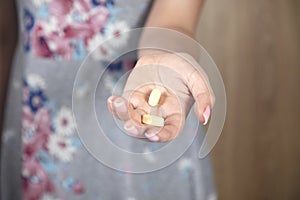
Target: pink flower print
x: 27, y: 116
x: 98, y: 17
x: 36, y: 129
x: 34, y: 144
x: 82, y: 5
x: 60, y: 8
x: 39, y: 43
x: 60, y: 45
x: 35, y: 181
x: 78, y: 188
x: 43, y: 121
x: 78, y: 30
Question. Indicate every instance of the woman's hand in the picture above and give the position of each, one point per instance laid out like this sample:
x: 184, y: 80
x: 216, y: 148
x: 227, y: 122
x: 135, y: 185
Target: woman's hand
x: 181, y: 81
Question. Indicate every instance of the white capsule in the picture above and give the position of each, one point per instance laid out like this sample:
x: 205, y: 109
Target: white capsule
x: 153, y: 120
x: 154, y: 97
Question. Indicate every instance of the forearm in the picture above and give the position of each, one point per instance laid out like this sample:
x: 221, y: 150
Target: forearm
x: 179, y: 15
x: 173, y: 16
x: 8, y: 36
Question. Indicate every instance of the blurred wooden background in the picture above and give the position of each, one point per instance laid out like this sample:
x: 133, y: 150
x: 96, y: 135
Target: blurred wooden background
x: 256, y: 45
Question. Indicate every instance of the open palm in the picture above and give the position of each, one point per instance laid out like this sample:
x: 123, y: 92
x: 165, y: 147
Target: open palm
x: 181, y: 81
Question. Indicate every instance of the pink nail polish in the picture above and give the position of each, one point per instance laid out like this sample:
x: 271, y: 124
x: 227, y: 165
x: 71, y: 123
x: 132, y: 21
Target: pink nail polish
x: 152, y: 137
x: 206, y: 115
x: 131, y: 130
x: 119, y: 105
x: 110, y: 105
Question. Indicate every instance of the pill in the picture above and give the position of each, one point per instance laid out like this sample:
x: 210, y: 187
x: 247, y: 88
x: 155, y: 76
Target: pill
x: 154, y: 97
x: 153, y: 120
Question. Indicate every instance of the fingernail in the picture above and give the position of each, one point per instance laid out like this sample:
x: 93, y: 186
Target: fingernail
x: 131, y: 130
x: 109, y: 105
x: 206, y: 115
x: 120, y: 105
x: 152, y: 137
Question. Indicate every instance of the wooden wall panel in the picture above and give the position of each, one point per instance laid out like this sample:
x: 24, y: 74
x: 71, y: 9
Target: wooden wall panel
x: 256, y: 45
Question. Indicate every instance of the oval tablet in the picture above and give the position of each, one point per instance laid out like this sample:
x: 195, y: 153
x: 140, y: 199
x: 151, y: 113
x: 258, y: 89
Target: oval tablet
x: 154, y: 97
x: 153, y: 120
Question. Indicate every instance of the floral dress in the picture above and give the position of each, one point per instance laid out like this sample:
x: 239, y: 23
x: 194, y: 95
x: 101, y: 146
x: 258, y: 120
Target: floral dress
x: 42, y: 156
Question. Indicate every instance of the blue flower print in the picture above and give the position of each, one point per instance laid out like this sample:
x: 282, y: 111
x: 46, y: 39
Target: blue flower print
x: 78, y: 50
x: 46, y: 162
x: 28, y: 20
x: 103, y: 2
x: 115, y: 66
x: 26, y: 43
x: 68, y: 184
x: 36, y: 100
x: 43, y: 12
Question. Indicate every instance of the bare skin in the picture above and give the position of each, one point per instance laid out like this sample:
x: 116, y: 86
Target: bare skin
x: 193, y: 84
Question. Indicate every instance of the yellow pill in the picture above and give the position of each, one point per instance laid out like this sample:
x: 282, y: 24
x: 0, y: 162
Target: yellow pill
x: 153, y: 120
x: 154, y: 97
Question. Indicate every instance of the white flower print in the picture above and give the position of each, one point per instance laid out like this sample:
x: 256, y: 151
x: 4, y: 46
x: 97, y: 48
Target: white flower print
x: 116, y: 31
x: 25, y: 173
x: 61, y: 147
x: 98, y: 49
x: 50, y: 25
x: 94, y: 42
x: 69, y: 18
x: 36, y: 82
x: 64, y: 123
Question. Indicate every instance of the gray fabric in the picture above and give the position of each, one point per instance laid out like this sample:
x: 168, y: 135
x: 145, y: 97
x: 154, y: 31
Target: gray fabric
x: 100, y: 181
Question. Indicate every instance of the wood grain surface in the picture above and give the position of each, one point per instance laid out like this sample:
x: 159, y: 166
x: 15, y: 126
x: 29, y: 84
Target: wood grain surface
x: 256, y: 45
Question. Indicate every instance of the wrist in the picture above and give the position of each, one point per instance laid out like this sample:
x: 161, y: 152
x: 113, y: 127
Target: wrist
x: 158, y: 40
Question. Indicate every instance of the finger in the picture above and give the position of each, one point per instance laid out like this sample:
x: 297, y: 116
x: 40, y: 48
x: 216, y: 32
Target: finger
x: 202, y: 94
x: 119, y: 108
x: 135, y: 129
x: 110, y: 105
x: 202, y: 110
x: 138, y: 107
x: 131, y: 129
x: 137, y: 98
x: 170, y: 105
x: 173, y: 126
